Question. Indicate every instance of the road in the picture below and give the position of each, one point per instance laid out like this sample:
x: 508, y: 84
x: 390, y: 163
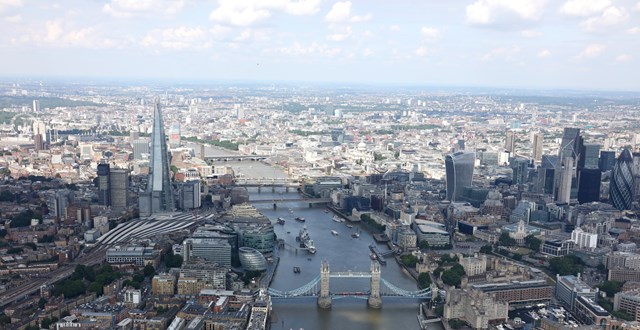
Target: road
x: 95, y: 256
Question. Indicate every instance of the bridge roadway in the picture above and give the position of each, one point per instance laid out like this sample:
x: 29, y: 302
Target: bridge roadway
x: 93, y: 257
x: 231, y: 158
x: 287, y: 200
x: 350, y: 274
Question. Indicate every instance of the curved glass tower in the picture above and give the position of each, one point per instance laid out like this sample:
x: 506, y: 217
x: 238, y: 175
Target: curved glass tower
x: 621, y: 186
x: 459, y: 173
x: 159, y: 195
x: 252, y: 259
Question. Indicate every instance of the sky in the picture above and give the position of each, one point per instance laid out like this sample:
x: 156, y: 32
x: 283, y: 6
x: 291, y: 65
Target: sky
x: 549, y: 44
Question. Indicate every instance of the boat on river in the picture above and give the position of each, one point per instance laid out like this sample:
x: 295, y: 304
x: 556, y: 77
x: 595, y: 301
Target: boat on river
x: 281, y: 221
x: 335, y: 233
x: 301, y: 219
x: 337, y: 219
x: 306, y: 241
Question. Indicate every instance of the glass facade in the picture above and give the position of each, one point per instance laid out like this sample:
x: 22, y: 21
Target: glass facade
x: 621, y: 185
x: 252, y: 259
x: 459, y: 173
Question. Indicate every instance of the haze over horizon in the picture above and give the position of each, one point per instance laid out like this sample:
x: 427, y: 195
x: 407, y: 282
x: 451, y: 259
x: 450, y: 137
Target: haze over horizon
x: 574, y: 44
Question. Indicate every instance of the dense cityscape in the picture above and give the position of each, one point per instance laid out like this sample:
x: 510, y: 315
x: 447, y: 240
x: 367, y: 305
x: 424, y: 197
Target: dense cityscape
x: 146, y: 206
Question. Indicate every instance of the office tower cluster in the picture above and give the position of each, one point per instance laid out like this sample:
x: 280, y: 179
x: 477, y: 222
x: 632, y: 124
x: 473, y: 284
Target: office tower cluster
x: 577, y: 174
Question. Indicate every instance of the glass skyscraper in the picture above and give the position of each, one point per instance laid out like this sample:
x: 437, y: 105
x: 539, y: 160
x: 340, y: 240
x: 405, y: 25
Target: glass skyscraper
x: 621, y: 186
x: 159, y: 195
x: 459, y: 173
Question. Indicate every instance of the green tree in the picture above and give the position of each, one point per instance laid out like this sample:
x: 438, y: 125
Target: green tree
x: 440, y: 310
x: 424, y: 245
x: 409, y: 260
x: 396, y: 154
x: 424, y: 280
x: 458, y: 269
x: 601, y: 268
x: 452, y: 278
x: 445, y: 259
x: 456, y: 323
x: 4, y: 320
x: 149, y: 270
x: 45, y: 323
x: 486, y: 249
x: 610, y: 287
x: 7, y: 196
x: 438, y: 271
x: 172, y: 260
x: 138, y: 278
x: 567, y: 265
x: 95, y: 287
x: 15, y: 250
x: 506, y: 240
x: 532, y: 242
x: 41, y: 302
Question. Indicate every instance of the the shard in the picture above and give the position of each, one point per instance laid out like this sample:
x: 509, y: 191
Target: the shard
x: 158, y: 197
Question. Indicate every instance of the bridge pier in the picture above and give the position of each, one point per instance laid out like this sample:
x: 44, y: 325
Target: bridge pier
x: 259, y: 189
x: 324, y: 299
x: 287, y: 189
x: 273, y: 188
x: 374, y: 300
x: 275, y: 206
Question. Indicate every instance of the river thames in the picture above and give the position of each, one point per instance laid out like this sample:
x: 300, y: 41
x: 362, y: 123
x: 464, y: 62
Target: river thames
x: 341, y: 251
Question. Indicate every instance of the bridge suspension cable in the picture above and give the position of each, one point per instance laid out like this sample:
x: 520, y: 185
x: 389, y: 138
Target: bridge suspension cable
x: 309, y: 289
x: 424, y: 293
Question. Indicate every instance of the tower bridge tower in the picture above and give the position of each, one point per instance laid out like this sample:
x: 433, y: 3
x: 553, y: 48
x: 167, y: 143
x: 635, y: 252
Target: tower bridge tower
x: 324, y: 299
x: 374, y: 300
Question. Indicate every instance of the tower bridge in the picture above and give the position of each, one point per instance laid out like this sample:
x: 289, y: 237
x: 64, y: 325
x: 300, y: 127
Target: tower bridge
x: 379, y: 287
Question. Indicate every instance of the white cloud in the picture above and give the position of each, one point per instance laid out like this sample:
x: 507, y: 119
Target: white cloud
x: 130, y: 8
x: 341, y: 13
x: 637, y: 7
x: 584, y: 8
x: 53, y: 30
x: 490, y: 12
x: 6, y: 4
x: 367, y: 52
x: 506, y: 53
x: 248, y: 12
x: 612, y: 16
x: 421, y: 51
x: 591, y: 51
x: 13, y: 19
x: 531, y: 33
x: 315, y: 49
x: 178, y: 38
x: 394, y: 28
x: 634, y: 30
x: 342, y: 34
x: 429, y: 33
x: 78, y: 37
x: 623, y: 58
x: 544, y: 53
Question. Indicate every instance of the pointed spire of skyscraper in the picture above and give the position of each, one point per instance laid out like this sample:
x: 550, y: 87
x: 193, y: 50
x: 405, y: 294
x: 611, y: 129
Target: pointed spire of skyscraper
x: 159, y: 195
